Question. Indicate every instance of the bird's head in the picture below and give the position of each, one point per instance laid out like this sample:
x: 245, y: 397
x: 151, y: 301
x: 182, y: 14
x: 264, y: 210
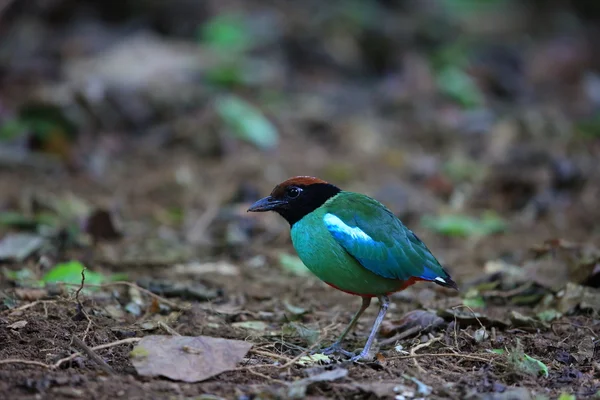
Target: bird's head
x: 296, y: 197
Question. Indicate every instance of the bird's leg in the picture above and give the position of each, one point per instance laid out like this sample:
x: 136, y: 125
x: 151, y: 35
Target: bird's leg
x: 384, y: 304
x: 337, y: 346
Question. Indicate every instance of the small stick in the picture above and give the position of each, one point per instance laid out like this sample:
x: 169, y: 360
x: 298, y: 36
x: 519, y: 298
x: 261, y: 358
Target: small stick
x: 135, y: 286
x: 271, y: 355
x: 465, y: 356
x: 168, y: 329
x: 28, y: 362
x: 420, y: 346
x: 90, y: 353
x: 100, y: 347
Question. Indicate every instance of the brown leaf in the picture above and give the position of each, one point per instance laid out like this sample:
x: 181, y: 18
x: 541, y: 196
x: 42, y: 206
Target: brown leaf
x: 101, y: 226
x: 30, y: 294
x: 187, y: 358
x: 417, y: 318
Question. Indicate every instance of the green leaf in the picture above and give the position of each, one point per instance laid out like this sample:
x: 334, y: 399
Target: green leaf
x: 474, y: 302
x: 567, y: 396
x: 549, y: 315
x: 497, y: 351
x: 70, y: 272
x: 459, y: 86
x: 227, y: 33
x: 589, y: 128
x: 293, y: 264
x: 259, y: 326
x: 247, y: 122
x: 318, y: 358
x: 527, y: 364
x: 464, y: 226
x: 12, y: 128
x: 23, y: 277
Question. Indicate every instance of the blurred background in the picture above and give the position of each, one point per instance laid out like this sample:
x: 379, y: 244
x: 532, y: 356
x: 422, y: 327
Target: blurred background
x: 467, y: 118
x: 134, y: 134
x: 476, y: 122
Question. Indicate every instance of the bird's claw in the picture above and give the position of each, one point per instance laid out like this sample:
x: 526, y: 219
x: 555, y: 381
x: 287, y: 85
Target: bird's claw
x: 360, y: 357
x: 336, y: 348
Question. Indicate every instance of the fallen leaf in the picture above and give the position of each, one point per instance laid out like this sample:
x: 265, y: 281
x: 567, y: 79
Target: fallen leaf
x: 474, y: 302
x: 30, y: 294
x: 525, y: 363
x: 558, y: 261
x: 247, y: 122
x: 297, y: 390
x: 196, y: 268
x: 70, y: 272
x: 297, y: 311
x: 422, y: 388
x: 311, y: 336
x: 187, y: 358
x: 189, y: 289
x: 464, y: 226
x: 466, y: 317
x: 574, y: 296
x: 585, y: 350
x: 519, y: 320
x: 317, y: 358
x: 101, y: 225
x: 382, y: 389
x: 510, y: 393
x: 481, y: 335
x: 424, y: 320
x: 259, y: 326
x: 18, y: 246
x: 17, y: 325
x: 567, y: 396
x: 548, y: 315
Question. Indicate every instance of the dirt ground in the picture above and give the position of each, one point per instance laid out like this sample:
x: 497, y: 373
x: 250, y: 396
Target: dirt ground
x: 150, y: 191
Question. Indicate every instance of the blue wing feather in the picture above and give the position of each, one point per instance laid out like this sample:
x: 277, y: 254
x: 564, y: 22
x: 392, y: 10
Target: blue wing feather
x: 379, y: 241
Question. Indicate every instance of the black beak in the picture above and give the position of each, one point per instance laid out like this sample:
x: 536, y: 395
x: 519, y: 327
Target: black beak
x: 266, y: 204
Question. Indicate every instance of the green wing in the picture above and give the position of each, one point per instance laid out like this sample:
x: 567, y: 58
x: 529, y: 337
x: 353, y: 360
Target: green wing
x: 379, y: 241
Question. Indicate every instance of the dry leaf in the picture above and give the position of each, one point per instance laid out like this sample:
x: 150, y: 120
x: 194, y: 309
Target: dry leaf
x: 17, y: 325
x: 187, y: 358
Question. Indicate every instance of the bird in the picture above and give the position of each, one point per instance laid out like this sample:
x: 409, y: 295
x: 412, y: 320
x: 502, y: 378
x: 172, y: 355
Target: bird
x: 353, y: 243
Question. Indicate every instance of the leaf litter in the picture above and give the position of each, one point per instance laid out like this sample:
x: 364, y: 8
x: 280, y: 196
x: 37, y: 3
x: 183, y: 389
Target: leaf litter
x: 186, y: 358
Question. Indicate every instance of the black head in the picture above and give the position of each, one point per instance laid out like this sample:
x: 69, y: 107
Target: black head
x: 296, y: 197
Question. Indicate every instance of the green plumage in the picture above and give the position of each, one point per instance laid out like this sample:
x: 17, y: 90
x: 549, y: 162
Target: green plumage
x: 366, y: 250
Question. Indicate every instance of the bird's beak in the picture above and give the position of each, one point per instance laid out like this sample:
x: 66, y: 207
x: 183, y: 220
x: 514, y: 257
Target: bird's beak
x: 266, y: 204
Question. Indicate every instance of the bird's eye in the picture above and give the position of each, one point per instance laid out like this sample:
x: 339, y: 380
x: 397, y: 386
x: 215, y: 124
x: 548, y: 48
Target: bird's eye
x: 293, y: 192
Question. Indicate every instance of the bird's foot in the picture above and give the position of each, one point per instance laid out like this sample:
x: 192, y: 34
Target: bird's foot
x: 361, y: 357
x: 336, y: 348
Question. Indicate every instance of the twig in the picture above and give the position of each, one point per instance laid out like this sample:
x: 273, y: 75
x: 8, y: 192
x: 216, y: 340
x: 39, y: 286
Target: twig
x: 268, y: 354
x: 100, y: 347
x: 90, y: 353
x: 168, y: 329
x: 80, y: 287
x: 420, y: 346
x: 28, y: 305
x: 465, y: 356
x: 80, y: 306
x: 28, y: 362
x: 135, y: 286
x: 267, y: 377
x: 402, y: 335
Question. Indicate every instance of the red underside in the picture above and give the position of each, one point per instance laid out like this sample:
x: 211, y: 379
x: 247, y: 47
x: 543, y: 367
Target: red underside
x: 401, y: 286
